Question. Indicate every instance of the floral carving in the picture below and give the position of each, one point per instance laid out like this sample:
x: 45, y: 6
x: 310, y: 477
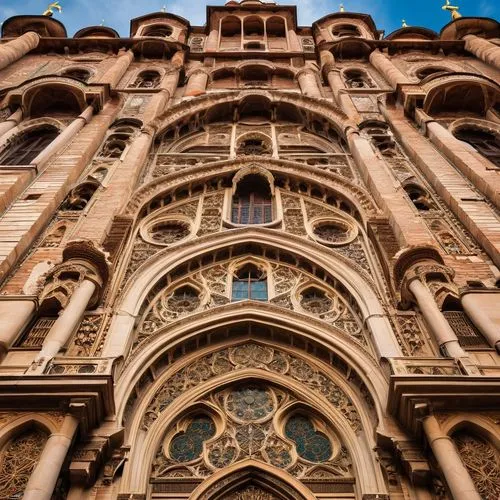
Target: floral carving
x: 250, y: 355
x: 168, y: 232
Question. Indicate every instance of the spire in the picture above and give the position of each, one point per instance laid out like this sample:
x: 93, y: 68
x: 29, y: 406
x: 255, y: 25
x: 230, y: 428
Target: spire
x: 403, y: 23
x: 51, y: 7
x: 453, y: 9
x: 341, y: 7
x: 164, y: 8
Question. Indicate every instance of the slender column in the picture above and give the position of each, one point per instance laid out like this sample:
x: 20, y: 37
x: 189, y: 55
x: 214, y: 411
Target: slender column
x: 15, y: 49
x: 308, y: 83
x: 64, y: 137
x: 386, y: 67
x: 473, y: 307
x: 11, y: 122
x: 116, y: 72
x: 408, y: 228
x: 197, y: 83
x: 15, y: 314
x: 470, y: 163
x: 441, y: 329
x: 211, y: 42
x: 161, y: 99
x: 341, y: 95
x: 65, y: 325
x: 455, y: 472
x: 43, y: 480
x: 483, y: 49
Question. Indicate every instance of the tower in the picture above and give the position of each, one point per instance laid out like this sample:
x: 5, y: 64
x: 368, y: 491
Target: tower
x: 249, y: 260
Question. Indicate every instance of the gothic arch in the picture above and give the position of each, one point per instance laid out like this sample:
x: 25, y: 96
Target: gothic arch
x: 349, y: 191
x: 203, y: 103
x: 20, y: 423
x: 242, y: 473
x: 354, y: 426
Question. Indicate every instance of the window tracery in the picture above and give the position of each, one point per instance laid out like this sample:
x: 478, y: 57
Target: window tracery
x: 18, y: 459
x: 26, y: 147
x: 169, y: 231
x: 250, y: 428
x: 482, y: 460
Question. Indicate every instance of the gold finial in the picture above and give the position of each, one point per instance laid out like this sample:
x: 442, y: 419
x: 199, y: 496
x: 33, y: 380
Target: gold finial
x: 164, y: 8
x: 51, y: 7
x: 453, y: 9
x: 342, y: 9
x: 102, y: 22
x: 403, y: 23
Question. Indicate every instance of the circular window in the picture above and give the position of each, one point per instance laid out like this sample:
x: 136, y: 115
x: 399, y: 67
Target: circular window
x: 250, y: 404
x: 315, y: 301
x: 184, y: 299
x: 168, y: 232
x: 333, y: 232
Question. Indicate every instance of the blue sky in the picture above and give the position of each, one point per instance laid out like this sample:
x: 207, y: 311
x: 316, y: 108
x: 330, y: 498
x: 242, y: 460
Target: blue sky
x: 117, y: 13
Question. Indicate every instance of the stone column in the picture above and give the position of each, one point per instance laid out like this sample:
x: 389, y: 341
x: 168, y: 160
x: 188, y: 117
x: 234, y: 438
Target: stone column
x: 471, y: 163
x: 408, y: 227
x: 212, y: 39
x: 161, y: 99
x: 438, y: 324
x: 11, y: 122
x: 43, y: 480
x: 197, y: 83
x: 114, y: 74
x: 15, y: 49
x: 15, y: 314
x: 387, y: 69
x: 455, y: 472
x: 483, y: 49
x: 480, y: 311
x: 66, y: 324
x: 308, y: 83
x: 341, y: 95
x: 64, y: 138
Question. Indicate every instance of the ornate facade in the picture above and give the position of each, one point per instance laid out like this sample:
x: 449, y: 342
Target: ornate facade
x: 250, y: 260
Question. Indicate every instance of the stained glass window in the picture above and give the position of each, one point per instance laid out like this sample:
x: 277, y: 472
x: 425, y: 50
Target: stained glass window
x: 188, y: 445
x: 249, y: 283
x: 310, y: 444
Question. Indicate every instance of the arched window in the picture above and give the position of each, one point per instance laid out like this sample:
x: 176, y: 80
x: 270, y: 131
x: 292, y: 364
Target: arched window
x: 230, y: 33
x: 485, y: 143
x: 249, y: 282
x: 18, y: 459
x: 78, y: 74
x: 253, y: 27
x: 80, y: 196
x: 158, y: 30
x: 345, y: 30
x: 357, y: 79
x: 147, y: 80
x: 419, y: 197
x: 252, y: 202
x: 28, y: 146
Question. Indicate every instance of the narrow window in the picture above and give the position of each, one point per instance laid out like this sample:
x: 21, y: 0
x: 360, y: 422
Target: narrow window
x: 249, y: 282
x: 252, y: 203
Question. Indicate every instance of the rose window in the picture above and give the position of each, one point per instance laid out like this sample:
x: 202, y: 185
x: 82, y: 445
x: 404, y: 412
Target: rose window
x: 184, y: 300
x: 332, y: 232
x: 169, y: 232
x: 250, y: 403
x: 315, y: 301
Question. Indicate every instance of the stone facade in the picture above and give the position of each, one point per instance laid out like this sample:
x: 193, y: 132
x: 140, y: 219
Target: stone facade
x: 250, y: 260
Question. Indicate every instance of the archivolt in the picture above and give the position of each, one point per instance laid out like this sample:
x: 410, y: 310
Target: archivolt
x: 193, y: 176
